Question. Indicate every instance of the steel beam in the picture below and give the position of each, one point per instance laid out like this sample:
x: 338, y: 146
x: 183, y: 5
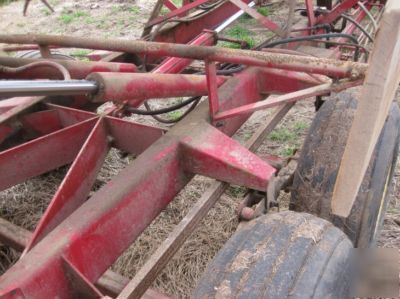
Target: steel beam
x: 59, y: 148
x: 78, y: 182
x: 110, y: 283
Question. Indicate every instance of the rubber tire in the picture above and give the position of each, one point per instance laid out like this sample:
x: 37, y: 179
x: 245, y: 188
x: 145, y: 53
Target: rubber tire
x: 281, y: 255
x: 319, y: 160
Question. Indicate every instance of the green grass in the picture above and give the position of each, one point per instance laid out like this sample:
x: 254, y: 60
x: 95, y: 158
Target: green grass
x: 5, y: 2
x: 177, y: 2
x: 80, y: 13
x: 66, y: 18
x: 115, y: 8
x: 80, y: 52
x: 135, y: 10
x: 69, y: 17
x: 264, y: 11
x: 236, y: 191
x: 288, y: 151
x: 290, y: 136
x: 90, y: 20
x: 300, y: 126
x: 174, y: 115
x: 282, y: 135
x: 240, y: 33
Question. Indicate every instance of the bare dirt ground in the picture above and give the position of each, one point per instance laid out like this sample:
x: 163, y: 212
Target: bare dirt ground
x: 24, y: 204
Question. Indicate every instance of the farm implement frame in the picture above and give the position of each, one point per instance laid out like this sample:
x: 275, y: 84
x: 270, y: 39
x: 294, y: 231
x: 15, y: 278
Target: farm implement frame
x: 49, y: 118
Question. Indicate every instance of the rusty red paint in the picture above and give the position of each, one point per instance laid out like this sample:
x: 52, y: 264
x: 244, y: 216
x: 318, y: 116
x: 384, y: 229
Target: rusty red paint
x: 183, y: 33
x: 171, y: 6
x: 126, y: 205
x: 76, y: 232
x: 77, y: 69
x: 5, y: 131
x: 25, y: 161
x: 77, y: 184
x: 42, y: 122
x: 176, y: 12
x: 135, y: 88
x: 214, y: 154
x: 310, y: 12
x: 329, y: 67
x: 175, y: 65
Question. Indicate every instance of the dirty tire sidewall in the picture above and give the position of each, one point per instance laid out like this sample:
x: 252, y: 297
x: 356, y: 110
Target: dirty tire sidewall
x: 281, y: 255
x: 318, y: 165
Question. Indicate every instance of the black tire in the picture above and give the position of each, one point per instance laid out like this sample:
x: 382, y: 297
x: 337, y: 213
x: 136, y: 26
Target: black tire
x: 318, y: 165
x: 281, y: 255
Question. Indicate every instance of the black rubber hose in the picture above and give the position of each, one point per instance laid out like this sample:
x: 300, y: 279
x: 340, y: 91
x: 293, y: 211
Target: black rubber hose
x: 172, y: 121
x: 163, y: 110
x: 313, y: 37
x: 308, y: 38
x: 350, y: 19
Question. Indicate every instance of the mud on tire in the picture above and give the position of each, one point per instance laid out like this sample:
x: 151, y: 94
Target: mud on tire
x: 318, y: 166
x: 281, y: 255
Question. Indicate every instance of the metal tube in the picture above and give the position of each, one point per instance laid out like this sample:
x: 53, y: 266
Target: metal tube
x: 322, y: 66
x: 78, y: 69
x: 12, y: 88
x: 133, y: 89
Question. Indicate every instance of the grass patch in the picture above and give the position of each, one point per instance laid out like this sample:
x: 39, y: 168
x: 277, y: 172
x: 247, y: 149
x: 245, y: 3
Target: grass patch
x: 290, y: 137
x: 240, y: 33
x: 288, y: 151
x: 5, y: 2
x: 236, y: 191
x: 174, y: 115
x: 300, y: 126
x: 135, y: 10
x: 263, y: 11
x: 282, y: 135
x: 69, y: 17
x: 80, y: 52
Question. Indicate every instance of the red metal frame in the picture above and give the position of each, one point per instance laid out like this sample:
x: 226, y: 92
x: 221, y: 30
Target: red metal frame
x: 78, y: 238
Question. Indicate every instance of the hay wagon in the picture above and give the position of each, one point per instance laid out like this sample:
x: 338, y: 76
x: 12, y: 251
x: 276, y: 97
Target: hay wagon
x: 340, y: 181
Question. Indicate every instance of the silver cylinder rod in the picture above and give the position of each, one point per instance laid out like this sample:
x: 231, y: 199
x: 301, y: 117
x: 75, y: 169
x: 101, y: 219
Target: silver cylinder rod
x: 18, y: 88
